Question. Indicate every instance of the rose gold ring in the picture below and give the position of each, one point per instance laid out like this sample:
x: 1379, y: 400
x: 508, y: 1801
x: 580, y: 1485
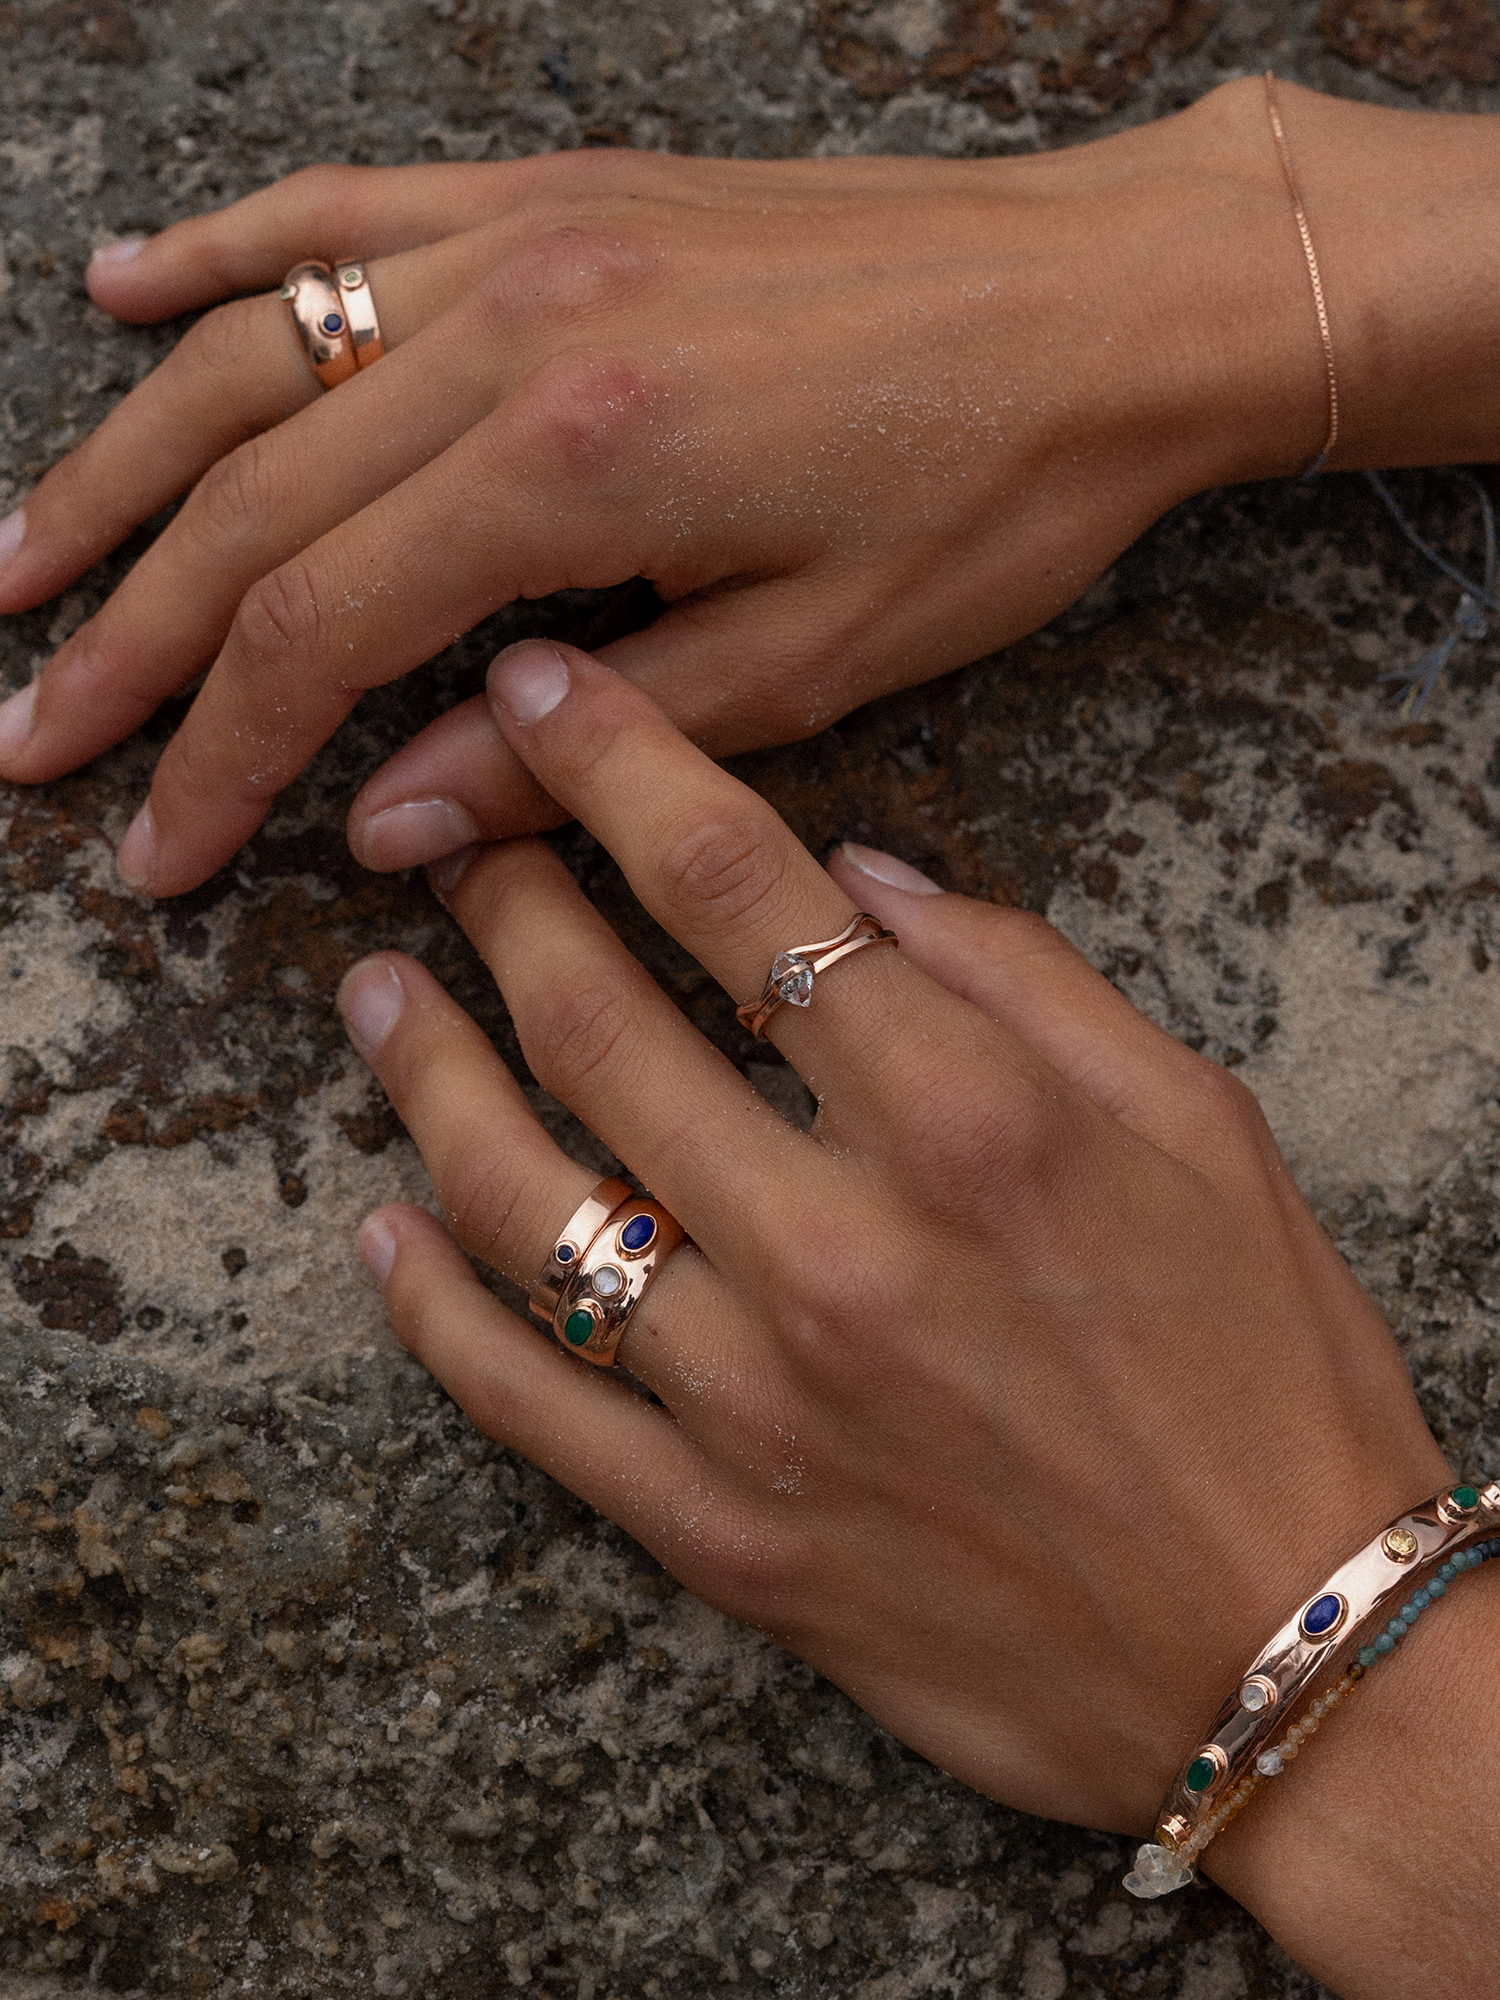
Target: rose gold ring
x: 611, y: 1278
x: 793, y: 972
x: 578, y: 1232
x: 322, y: 322
x: 359, y: 309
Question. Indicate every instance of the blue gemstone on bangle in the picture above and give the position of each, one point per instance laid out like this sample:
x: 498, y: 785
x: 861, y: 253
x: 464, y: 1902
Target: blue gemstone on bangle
x: 1385, y: 1643
x: 565, y: 1253
x: 332, y: 322
x: 1322, y: 1615
x: 637, y: 1233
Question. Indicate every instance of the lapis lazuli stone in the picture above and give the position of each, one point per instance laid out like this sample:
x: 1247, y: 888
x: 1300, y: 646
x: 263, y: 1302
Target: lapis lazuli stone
x: 1322, y: 1615
x: 333, y: 322
x: 565, y: 1253
x: 637, y: 1233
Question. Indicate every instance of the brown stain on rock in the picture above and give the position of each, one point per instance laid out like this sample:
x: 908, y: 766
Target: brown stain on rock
x: 93, y: 31
x: 1416, y: 42
x: 74, y: 1294
x: 1096, y: 50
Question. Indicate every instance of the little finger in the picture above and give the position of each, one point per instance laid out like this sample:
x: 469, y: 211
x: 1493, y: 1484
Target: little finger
x: 621, y: 1454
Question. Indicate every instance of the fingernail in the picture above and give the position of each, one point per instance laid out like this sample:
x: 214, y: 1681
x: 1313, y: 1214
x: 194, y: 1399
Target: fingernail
x: 418, y: 830
x: 377, y: 1246
x: 17, y: 720
x: 135, y: 864
x: 370, y: 1000
x: 529, y: 679
x: 886, y: 868
x: 119, y: 253
x: 12, y: 534
x: 445, y: 875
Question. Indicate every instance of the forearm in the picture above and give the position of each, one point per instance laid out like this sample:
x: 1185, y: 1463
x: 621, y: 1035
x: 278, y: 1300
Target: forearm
x: 1373, y: 1861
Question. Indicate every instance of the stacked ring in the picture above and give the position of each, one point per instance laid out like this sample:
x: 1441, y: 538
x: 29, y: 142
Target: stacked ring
x: 579, y: 1231
x: 612, y: 1276
x: 359, y: 307
x: 335, y: 318
x: 322, y: 323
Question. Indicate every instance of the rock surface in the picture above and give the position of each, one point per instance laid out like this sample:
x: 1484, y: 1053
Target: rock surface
x: 309, y: 1689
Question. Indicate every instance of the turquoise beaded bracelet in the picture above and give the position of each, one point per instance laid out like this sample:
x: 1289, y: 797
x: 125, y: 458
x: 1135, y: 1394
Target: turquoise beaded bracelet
x: 1235, y: 1759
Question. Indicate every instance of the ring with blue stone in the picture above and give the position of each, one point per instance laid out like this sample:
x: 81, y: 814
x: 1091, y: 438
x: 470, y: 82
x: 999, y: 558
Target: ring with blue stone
x: 611, y: 1277
x: 319, y: 315
x: 573, y: 1239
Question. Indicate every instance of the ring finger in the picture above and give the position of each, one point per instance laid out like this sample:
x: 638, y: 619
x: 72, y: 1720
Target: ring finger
x: 506, y: 1188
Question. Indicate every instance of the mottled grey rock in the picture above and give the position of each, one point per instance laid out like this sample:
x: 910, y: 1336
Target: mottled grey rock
x: 309, y: 1689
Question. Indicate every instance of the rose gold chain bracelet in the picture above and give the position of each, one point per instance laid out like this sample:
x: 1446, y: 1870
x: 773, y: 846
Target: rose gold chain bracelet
x: 1273, y: 113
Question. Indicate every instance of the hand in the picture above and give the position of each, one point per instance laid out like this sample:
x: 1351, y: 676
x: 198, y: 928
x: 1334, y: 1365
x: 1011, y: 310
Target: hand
x: 1023, y: 1397
x: 858, y: 420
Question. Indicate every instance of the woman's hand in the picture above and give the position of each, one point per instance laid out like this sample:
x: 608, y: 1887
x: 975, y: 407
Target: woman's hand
x: 858, y: 421
x: 1023, y: 1397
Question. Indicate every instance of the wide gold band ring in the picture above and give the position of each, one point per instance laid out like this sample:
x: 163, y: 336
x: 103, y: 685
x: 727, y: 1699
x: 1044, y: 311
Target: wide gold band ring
x: 793, y: 972
x: 612, y: 1276
x: 335, y: 319
x: 578, y: 1232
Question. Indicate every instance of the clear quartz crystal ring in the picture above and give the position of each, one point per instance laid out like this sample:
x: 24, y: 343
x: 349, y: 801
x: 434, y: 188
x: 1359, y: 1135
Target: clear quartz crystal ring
x: 359, y: 309
x: 322, y: 322
x: 611, y: 1278
x: 578, y: 1232
x: 793, y: 972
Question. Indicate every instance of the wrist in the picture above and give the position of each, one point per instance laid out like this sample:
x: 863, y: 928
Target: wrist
x: 1404, y: 212
x: 1371, y: 1861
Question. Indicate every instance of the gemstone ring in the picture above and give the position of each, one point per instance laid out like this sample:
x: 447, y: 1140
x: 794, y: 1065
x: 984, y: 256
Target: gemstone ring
x: 334, y: 317
x: 359, y: 309
x: 577, y: 1233
x: 792, y: 972
x: 610, y: 1278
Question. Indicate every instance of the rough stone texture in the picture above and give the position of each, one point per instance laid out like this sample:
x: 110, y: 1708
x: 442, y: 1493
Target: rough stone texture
x: 307, y: 1688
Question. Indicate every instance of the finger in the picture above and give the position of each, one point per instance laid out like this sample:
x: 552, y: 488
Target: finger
x: 767, y: 664
x: 323, y: 212
x: 506, y: 1188
x: 621, y: 1454
x: 600, y: 1035
x: 536, y: 498
x: 235, y: 373
x: 714, y: 864
x: 1019, y: 970
x: 253, y: 509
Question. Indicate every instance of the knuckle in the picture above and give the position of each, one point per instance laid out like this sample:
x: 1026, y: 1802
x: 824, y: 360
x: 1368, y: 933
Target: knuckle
x: 1223, y: 1104
x: 279, y: 616
x: 581, y: 1034
x: 485, y: 1200
x: 585, y: 416
x: 565, y: 273
x: 980, y: 1149
x: 839, y: 1289
x: 229, y: 341
x: 235, y: 495
x: 730, y: 869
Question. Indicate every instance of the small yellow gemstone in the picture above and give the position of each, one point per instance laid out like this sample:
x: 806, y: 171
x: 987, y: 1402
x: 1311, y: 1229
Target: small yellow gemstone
x: 1401, y: 1543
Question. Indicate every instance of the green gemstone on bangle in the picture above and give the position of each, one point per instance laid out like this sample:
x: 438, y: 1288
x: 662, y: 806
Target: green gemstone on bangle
x: 1200, y: 1774
x: 578, y: 1327
x: 1465, y: 1499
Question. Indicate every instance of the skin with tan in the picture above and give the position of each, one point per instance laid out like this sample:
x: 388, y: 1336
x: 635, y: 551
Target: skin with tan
x: 858, y: 420
x: 1023, y: 1397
